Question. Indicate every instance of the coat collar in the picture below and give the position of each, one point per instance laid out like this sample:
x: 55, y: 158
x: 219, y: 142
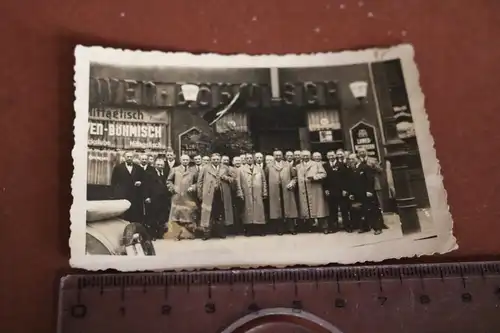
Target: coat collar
x: 134, y: 168
x: 336, y: 163
x: 184, y: 170
x: 212, y: 170
x: 308, y: 165
x: 247, y: 169
x: 279, y: 165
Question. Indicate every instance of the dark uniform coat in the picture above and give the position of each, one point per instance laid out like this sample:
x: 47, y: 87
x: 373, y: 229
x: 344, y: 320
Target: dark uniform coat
x: 123, y: 187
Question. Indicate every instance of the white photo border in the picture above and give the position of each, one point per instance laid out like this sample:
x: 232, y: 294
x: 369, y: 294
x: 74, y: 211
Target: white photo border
x: 256, y: 251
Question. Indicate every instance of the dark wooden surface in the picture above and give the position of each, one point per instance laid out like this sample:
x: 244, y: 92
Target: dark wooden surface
x: 457, y: 50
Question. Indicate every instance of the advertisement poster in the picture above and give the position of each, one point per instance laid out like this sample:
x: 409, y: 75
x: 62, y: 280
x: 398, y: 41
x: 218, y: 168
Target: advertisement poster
x: 364, y: 136
x: 114, y: 130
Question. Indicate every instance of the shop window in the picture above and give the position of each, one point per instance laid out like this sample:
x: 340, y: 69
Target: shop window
x: 323, y: 120
x: 100, y: 164
x: 115, y: 130
x: 326, y: 136
x: 325, y: 131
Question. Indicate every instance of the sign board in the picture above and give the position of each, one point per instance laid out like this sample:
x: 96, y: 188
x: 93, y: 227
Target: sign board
x: 325, y: 136
x: 112, y: 92
x: 364, y: 135
x: 119, y: 129
x: 111, y: 131
x: 190, y: 143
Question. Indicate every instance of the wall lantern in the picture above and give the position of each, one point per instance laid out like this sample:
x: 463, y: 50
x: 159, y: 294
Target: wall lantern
x: 359, y: 90
x: 190, y: 92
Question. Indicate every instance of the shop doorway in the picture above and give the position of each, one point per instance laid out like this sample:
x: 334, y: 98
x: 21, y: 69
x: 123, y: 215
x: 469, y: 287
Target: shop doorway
x: 325, y: 141
x: 282, y: 139
x: 277, y: 128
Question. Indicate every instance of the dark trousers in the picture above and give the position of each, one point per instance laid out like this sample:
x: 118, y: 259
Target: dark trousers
x: 254, y: 229
x: 380, y: 199
x: 168, y: 207
x: 237, y: 227
x: 136, y: 211
x: 267, y: 228
x: 156, y: 217
x: 282, y: 226
x: 310, y: 224
x: 373, y: 218
x: 334, y: 204
x: 217, y: 216
x: 356, y: 217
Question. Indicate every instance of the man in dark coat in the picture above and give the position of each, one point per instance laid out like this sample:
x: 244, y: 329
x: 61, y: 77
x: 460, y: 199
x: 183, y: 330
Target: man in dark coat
x: 127, y: 183
x: 378, y: 173
x: 156, y: 199
x: 362, y: 190
x: 335, y: 186
x: 144, y: 163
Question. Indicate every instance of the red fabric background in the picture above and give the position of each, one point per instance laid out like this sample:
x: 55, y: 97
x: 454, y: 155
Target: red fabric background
x: 457, y: 50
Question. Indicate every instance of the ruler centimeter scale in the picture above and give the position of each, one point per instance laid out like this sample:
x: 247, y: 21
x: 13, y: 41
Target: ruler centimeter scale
x: 452, y: 297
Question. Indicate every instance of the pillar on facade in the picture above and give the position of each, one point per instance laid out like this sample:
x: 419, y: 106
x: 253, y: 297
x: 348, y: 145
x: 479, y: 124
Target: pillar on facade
x: 397, y: 154
x: 275, y: 86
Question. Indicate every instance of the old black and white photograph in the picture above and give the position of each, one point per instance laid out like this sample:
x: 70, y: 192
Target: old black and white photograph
x: 200, y: 161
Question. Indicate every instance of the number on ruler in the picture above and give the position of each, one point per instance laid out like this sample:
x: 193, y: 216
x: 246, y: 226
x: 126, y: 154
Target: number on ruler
x: 424, y: 299
x: 253, y: 307
x: 297, y: 306
x: 78, y: 311
x: 340, y: 303
x: 382, y: 300
x: 497, y: 292
x: 122, y: 311
x: 466, y: 298
x: 210, y: 308
x: 166, y: 309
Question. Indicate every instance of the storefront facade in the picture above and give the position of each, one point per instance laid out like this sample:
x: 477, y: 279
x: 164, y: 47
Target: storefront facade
x: 286, y: 108
x: 315, y: 110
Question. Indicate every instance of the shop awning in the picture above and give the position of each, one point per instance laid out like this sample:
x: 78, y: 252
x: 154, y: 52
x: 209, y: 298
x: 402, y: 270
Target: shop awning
x: 234, y: 121
x: 319, y: 120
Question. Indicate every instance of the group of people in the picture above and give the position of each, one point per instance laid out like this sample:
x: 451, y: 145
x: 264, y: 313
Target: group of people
x: 212, y: 196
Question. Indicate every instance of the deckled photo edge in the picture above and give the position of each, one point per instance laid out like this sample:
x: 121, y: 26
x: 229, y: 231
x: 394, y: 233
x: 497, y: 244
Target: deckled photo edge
x: 84, y: 56
x: 430, y: 162
x: 78, y: 180
x: 140, y: 58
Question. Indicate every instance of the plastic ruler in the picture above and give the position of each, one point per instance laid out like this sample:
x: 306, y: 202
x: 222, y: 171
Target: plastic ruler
x: 452, y: 297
